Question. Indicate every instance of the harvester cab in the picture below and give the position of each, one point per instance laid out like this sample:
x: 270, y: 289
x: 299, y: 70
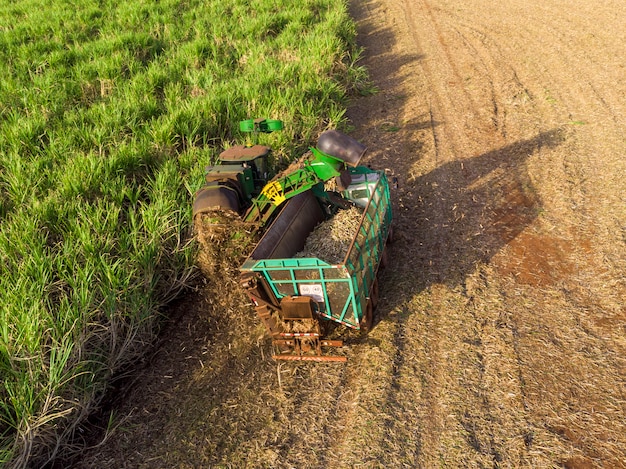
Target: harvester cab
x: 242, y: 171
x: 329, y: 160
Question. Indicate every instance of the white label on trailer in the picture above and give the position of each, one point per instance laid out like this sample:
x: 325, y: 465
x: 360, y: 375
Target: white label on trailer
x: 314, y: 290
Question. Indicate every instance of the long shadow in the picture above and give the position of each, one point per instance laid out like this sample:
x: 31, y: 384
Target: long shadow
x: 386, y: 71
x: 447, y: 221
x: 455, y: 217
x: 464, y: 211
x: 461, y: 213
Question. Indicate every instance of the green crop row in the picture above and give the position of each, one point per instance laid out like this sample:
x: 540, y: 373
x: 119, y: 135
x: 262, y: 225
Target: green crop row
x: 109, y: 112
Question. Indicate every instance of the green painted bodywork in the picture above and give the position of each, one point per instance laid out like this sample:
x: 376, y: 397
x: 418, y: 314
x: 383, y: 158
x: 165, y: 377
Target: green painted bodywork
x: 318, y: 169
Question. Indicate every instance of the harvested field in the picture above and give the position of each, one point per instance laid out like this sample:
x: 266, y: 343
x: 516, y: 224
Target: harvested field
x: 500, y: 338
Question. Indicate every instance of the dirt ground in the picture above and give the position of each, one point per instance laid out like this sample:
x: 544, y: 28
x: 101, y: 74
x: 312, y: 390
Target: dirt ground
x: 500, y: 338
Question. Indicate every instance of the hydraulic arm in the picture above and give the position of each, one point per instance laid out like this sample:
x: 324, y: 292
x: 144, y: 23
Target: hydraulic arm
x: 318, y: 169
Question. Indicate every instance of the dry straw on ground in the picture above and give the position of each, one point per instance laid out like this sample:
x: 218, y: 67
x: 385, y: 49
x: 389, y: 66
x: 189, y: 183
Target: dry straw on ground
x: 224, y: 241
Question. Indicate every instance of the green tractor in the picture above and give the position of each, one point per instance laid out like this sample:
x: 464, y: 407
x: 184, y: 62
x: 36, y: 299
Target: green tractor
x: 241, y: 182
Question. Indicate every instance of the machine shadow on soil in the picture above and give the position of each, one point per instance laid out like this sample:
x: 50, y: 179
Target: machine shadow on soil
x: 460, y: 215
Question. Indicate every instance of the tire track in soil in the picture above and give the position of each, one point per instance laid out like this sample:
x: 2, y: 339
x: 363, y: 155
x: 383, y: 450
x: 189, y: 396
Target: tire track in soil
x: 458, y: 408
x: 431, y: 389
x: 572, y: 211
x: 368, y: 435
x: 413, y: 406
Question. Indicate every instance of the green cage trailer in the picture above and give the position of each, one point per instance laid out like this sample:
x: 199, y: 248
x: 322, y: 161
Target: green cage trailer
x: 299, y: 298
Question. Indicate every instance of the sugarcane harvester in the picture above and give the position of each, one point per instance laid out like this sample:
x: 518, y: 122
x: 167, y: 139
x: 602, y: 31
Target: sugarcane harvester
x: 298, y: 297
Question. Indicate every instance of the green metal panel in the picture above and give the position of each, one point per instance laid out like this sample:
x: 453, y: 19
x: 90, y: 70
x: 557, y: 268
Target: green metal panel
x: 246, y: 179
x: 325, y: 166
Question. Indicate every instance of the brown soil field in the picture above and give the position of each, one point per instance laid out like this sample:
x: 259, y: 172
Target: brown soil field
x: 500, y: 337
